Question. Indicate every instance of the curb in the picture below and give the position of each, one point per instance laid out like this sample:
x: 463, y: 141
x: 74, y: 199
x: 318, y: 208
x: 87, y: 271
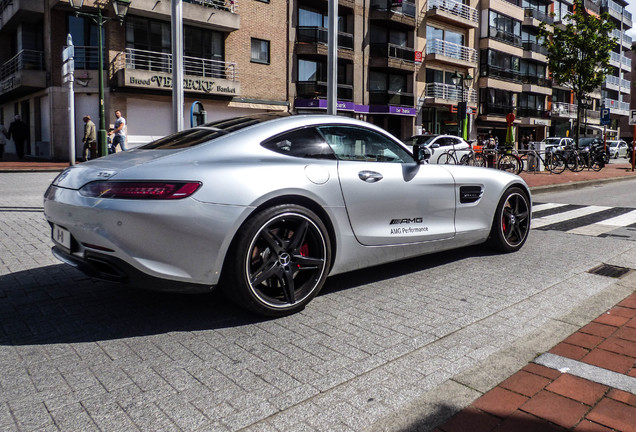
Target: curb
x: 578, y: 184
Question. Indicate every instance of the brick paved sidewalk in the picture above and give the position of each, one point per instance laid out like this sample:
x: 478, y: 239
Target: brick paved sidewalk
x: 540, y: 398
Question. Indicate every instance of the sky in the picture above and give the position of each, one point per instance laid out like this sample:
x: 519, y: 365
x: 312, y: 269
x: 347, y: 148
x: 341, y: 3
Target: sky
x: 631, y: 7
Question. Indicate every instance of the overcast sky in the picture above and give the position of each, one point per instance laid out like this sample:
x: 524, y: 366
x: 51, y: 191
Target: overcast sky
x: 631, y: 7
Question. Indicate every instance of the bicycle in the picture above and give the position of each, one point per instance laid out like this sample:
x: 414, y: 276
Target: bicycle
x: 508, y: 161
x: 553, y: 162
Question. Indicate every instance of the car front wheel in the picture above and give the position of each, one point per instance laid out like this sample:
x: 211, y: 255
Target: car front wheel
x: 511, y: 223
x: 279, y: 261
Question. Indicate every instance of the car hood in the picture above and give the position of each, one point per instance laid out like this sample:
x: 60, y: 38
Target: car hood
x: 108, y: 167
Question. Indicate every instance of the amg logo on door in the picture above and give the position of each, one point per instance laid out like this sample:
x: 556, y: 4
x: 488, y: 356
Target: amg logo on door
x: 406, y: 221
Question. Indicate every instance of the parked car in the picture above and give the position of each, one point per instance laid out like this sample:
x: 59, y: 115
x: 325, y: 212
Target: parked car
x: 556, y: 143
x: 617, y: 148
x: 440, y: 145
x: 267, y: 206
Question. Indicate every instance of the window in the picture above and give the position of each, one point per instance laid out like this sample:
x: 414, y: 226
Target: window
x: 352, y: 143
x: 504, y: 28
x: 304, y: 143
x: 85, y: 34
x: 260, y: 51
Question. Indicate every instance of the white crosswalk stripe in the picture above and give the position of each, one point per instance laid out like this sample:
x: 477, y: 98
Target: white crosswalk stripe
x: 605, y: 226
x: 560, y: 217
x: 546, y: 206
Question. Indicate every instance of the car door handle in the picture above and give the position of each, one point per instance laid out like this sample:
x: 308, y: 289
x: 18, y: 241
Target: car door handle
x: 370, y: 176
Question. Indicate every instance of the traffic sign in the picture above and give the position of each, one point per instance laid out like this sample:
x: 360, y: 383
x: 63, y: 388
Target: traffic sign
x: 68, y: 53
x: 605, y: 116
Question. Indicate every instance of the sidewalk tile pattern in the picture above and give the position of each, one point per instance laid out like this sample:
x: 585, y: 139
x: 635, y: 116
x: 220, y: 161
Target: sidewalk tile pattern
x: 538, y: 398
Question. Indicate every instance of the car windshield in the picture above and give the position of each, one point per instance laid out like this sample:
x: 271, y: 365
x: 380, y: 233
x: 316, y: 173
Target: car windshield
x: 612, y: 143
x: 207, y: 132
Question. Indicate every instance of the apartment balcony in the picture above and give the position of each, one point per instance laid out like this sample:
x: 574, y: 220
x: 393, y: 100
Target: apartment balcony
x: 493, y: 109
x: 452, y: 12
x: 533, y: 112
x: 622, y: 38
x: 620, y: 61
x: 506, y: 37
x: 313, y: 41
x: 492, y: 71
x: 13, y: 12
x: 22, y: 74
x: 564, y: 110
x: 318, y: 90
x: 534, y: 17
x: 616, y: 107
x: 618, y: 12
x: 443, y: 94
x: 535, y: 51
x: 451, y: 53
x: 536, y: 84
x: 383, y: 10
x: 149, y: 70
x: 387, y: 97
x: 391, y: 56
x: 220, y: 15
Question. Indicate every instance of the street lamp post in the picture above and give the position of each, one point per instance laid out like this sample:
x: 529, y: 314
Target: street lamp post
x: 121, y: 8
x: 463, y: 84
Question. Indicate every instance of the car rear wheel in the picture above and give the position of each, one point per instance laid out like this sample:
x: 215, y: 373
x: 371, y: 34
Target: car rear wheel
x: 511, y: 223
x: 279, y: 261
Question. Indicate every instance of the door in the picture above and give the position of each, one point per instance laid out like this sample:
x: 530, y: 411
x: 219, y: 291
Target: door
x: 390, y: 199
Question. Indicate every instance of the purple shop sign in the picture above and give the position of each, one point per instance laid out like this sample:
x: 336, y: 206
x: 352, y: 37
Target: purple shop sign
x: 322, y: 104
x: 390, y: 109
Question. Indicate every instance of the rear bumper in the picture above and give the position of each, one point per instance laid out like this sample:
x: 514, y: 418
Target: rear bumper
x: 113, y: 269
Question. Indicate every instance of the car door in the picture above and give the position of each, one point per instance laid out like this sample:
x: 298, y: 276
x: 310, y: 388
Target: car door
x: 390, y: 199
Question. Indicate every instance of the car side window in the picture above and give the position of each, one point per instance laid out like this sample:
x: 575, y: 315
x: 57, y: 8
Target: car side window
x: 304, y: 143
x: 353, y: 143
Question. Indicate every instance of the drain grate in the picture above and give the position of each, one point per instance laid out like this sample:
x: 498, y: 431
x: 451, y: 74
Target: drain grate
x: 609, y: 270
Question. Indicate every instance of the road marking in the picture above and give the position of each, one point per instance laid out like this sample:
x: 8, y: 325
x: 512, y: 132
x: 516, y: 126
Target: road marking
x: 560, y: 217
x: 606, y: 225
x: 545, y: 206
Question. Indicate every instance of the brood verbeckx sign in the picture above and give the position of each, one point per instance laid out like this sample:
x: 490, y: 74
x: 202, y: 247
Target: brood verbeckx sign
x: 151, y: 80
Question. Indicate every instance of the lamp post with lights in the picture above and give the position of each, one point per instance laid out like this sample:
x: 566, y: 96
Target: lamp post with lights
x: 121, y: 9
x: 463, y: 84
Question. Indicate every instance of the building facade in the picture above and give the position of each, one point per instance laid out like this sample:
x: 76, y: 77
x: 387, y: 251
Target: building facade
x: 398, y: 65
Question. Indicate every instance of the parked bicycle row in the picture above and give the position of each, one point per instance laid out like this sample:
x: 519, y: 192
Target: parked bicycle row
x: 591, y: 154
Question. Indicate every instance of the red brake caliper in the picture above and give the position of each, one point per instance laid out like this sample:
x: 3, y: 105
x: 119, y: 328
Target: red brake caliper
x: 304, y: 251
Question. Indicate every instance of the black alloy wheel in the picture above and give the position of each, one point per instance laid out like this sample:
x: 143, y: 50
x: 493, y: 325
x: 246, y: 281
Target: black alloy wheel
x: 283, y: 260
x: 511, y: 224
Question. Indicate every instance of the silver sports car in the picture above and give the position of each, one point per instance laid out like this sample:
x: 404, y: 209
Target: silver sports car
x: 267, y: 206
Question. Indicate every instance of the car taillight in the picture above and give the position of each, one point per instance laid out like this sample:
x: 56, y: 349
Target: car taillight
x: 149, y: 190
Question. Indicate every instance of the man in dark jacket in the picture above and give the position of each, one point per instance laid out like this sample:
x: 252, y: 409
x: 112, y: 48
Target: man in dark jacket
x: 19, y: 131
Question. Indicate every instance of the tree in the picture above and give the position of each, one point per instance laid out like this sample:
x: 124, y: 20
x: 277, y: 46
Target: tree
x: 579, y: 53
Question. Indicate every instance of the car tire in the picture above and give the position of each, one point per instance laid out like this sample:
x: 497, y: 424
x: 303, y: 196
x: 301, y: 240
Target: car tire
x: 511, y: 224
x: 278, y: 261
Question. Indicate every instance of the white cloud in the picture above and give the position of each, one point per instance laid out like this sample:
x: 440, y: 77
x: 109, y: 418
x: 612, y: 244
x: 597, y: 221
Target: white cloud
x: 631, y: 7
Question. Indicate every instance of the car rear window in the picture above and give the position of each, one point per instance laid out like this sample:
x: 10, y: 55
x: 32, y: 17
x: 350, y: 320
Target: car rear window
x: 208, y: 132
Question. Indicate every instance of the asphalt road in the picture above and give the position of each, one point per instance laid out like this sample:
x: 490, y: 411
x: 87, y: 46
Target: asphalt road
x: 380, y: 349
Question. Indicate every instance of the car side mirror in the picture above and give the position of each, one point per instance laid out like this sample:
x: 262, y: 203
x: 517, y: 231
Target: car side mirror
x: 435, y: 145
x: 421, y: 153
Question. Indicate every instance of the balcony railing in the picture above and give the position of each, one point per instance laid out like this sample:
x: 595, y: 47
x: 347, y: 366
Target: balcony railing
x: 87, y: 57
x: 455, y: 7
x: 406, y: 8
x: 226, y: 5
x: 532, y: 112
x: 493, y: 71
x: 621, y: 59
x: 505, y: 36
x: 393, y: 51
x: 535, y: 47
x: 25, y: 59
x: 540, y: 15
x: 563, y: 109
x: 617, y: 105
x: 627, y: 40
x: 453, y: 50
x: 537, y: 80
x: 321, y: 35
x: 162, y: 62
x: 386, y: 97
x: 314, y: 89
x: 496, y: 109
x: 450, y: 92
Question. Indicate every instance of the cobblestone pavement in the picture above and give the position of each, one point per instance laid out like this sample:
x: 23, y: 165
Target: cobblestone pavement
x: 77, y: 354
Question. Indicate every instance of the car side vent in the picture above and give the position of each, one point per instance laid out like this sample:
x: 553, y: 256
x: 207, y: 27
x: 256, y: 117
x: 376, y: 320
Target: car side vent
x: 609, y: 270
x: 470, y: 194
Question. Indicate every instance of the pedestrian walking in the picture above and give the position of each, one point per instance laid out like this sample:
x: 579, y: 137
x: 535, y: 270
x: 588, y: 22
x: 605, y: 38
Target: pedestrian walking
x: 19, y: 131
x: 119, y: 132
x: 90, y: 139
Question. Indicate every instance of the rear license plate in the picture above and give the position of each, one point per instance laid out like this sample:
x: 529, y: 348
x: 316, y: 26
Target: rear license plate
x: 61, y: 236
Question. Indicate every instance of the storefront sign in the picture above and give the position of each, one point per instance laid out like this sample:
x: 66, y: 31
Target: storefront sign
x: 163, y: 81
x: 542, y: 122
